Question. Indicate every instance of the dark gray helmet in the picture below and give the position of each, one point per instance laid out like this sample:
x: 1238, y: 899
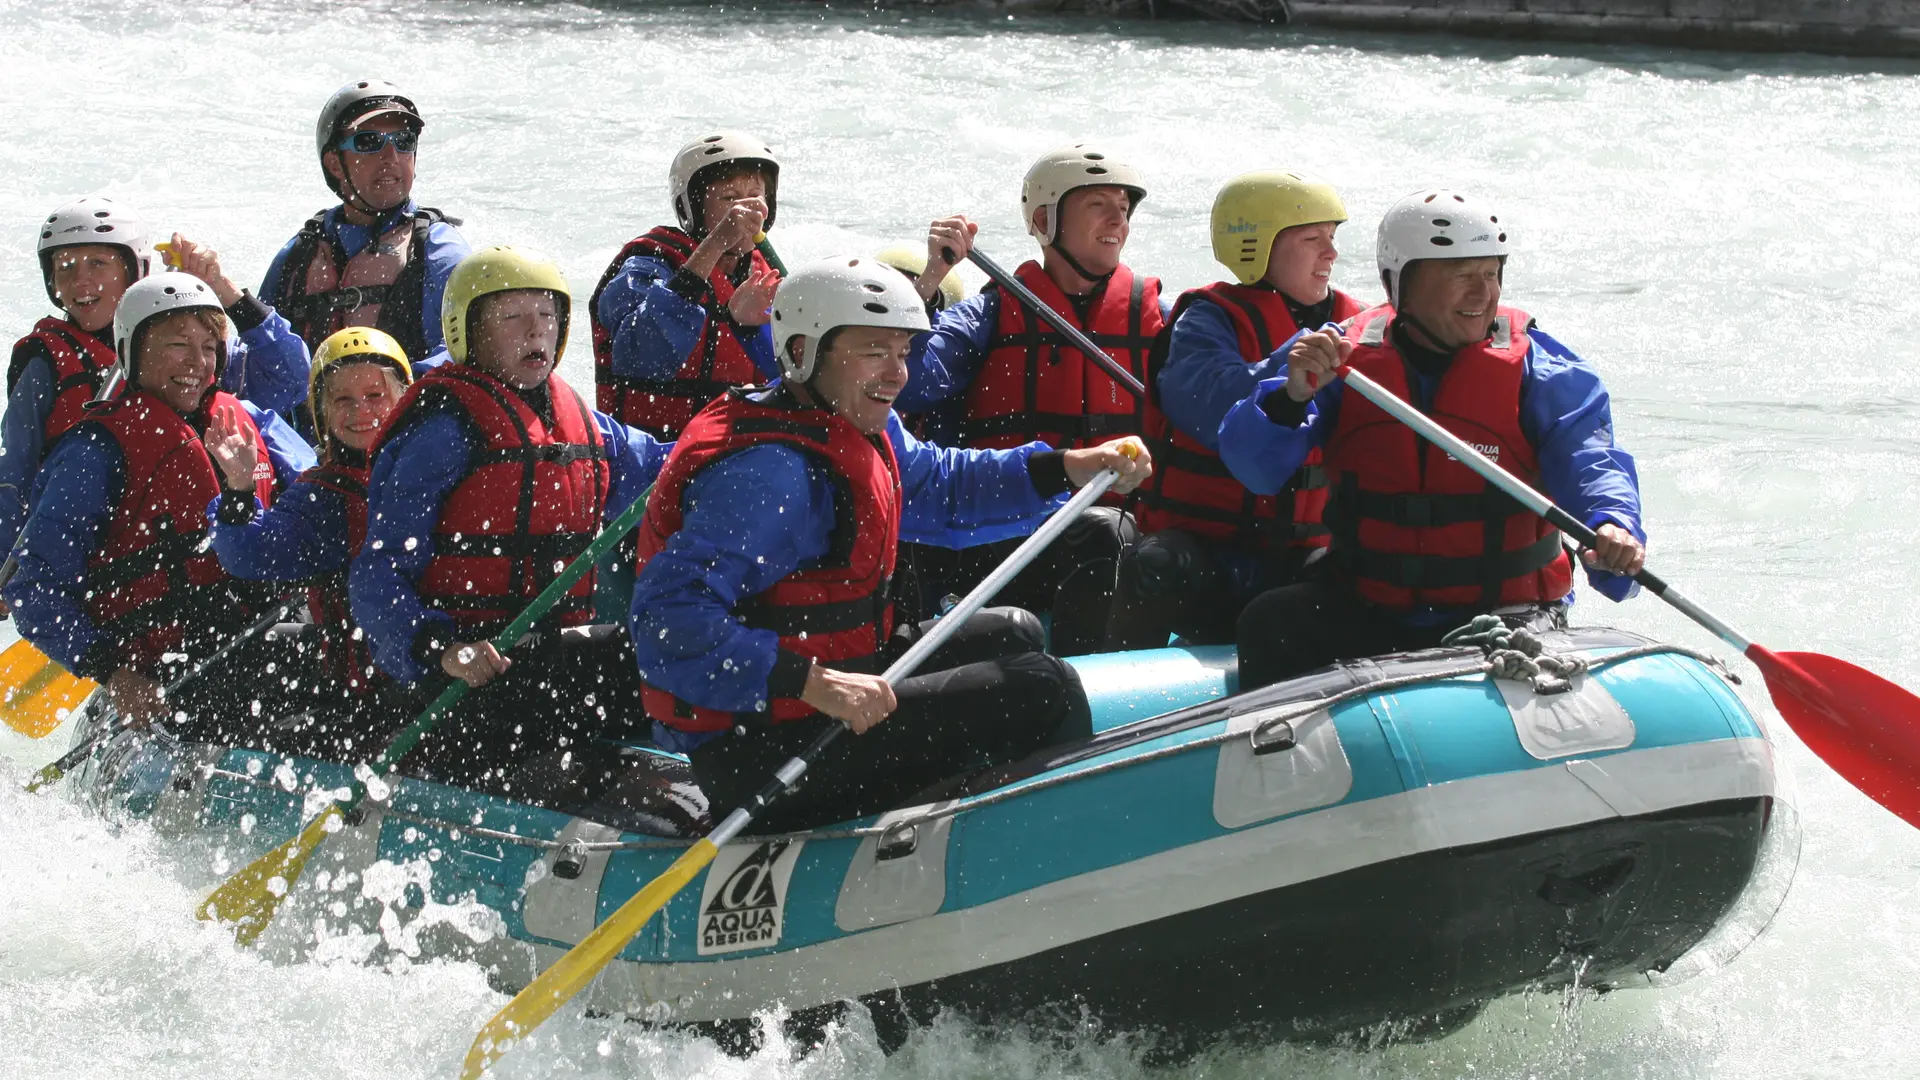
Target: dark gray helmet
x: 355, y: 101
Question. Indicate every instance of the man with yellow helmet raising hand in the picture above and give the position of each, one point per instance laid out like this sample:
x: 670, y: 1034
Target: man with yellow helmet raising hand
x: 1213, y: 545
x: 996, y: 376
x: 490, y: 478
x: 313, y: 532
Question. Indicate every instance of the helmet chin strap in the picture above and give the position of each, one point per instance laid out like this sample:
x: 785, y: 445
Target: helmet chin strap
x: 1097, y: 279
x: 350, y: 194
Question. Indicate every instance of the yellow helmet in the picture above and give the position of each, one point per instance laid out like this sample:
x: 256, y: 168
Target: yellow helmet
x: 353, y: 345
x: 1255, y: 207
x: 912, y: 262
x: 492, y: 270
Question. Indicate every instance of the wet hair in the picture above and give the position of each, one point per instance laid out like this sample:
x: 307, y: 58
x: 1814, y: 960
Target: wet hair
x: 214, y: 321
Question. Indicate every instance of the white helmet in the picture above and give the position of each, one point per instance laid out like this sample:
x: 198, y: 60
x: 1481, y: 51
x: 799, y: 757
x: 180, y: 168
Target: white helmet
x: 94, y: 220
x: 1077, y: 166
x: 849, y: 290
x: 1435, y: 224
x: 703, y: 153
x: 146, y: 300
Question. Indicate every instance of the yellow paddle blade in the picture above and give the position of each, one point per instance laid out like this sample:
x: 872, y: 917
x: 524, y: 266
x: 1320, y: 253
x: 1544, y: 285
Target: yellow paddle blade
x: 36, y: 694
x: 571, y: 973
x: 249, y: 898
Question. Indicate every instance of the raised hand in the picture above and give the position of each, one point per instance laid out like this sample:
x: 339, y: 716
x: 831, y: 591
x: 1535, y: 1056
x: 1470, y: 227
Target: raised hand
x: 949, y: 239
x: 752, y: 302
x: 1313, y: 360
x: 232, y: 447
x: 204, y: 263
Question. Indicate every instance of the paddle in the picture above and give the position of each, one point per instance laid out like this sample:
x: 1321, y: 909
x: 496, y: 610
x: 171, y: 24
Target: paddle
x: 39, y: 693
x: 1865, y: 727
x: 1054, y: 319
x: 249, y: 898
x: 571, y: 973
x: 52, y: 773
x: 767, y: 253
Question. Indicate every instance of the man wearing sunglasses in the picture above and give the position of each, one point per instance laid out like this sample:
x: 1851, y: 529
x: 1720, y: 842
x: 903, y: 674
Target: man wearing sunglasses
x: 377, y: 259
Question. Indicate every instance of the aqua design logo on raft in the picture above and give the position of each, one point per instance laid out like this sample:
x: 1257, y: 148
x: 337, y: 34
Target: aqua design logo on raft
x: 744, y: 903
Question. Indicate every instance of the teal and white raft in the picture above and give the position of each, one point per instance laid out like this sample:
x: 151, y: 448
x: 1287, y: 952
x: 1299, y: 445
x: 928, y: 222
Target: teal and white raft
x: 1401, y: 837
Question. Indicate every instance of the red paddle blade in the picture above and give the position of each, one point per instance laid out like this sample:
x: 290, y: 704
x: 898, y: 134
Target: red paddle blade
x: 1866, y: 728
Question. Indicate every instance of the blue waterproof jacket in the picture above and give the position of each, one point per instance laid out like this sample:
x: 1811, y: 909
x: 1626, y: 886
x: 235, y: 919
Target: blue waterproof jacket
x: 302, y: 535
x: 267, y: 364
x: 73, y: 498
x: 1564, y: 411
x: 416, y: 469
x: 654, y: 328
x: 758, y: 515
x: 445, y: 248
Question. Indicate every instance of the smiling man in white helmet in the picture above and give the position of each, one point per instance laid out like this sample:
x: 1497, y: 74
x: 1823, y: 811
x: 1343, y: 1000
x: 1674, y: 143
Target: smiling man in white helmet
x: 762, y: 605
x: 992, y: 374
x: 1420, y: 543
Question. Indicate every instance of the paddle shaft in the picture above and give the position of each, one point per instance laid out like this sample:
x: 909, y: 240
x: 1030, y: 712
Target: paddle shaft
x: 1533, y: 500
x: 79, y: 753
x: 1054, y: 319
x: 789, y: 774
x: 766, y: 252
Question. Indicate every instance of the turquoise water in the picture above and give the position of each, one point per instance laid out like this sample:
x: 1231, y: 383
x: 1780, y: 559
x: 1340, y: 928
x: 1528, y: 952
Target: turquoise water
x: 1731, y: 239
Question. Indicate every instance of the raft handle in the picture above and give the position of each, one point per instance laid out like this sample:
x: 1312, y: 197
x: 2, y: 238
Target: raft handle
x: 1273, y: 736
x: 571, y: 862
x: 897, y: 843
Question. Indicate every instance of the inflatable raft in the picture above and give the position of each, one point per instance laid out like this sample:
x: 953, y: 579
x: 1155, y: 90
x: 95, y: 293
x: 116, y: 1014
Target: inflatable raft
x: 1401, y: 837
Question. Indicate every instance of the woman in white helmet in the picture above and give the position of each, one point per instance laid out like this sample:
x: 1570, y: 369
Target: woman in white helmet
x: 680, y: 315
x: 376, y: 257
x: 762, y: 606
x: 1420, y: 543
x: 992, y: 375
x: 1210, y: 545
x: 115, y: 582
x: 91, y: 251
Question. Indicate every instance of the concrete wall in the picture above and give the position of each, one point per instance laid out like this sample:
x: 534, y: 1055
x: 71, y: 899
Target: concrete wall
x: 1855, y: 27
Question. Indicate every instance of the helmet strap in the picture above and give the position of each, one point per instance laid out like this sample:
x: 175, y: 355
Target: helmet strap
x: 1097, y: 279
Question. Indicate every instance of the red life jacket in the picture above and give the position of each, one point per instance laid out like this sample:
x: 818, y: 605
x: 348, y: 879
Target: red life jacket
x: 78, y: 358
x: 532, y: 500
x: 1191, y: 487
x: 152, y: 585
x: 322, y: 289
x: 717, y: 363
x: 1411, y: 525
x: 344, y: 652
x: 1033, y: 385
x: 837, y: 612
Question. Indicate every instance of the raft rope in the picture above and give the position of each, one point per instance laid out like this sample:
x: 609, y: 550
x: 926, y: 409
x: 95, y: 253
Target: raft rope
x: 1517, y: 653
x: 1269, y: 735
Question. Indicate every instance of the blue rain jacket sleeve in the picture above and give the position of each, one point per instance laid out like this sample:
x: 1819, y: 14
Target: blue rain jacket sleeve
x: 1204, y: 374
x: 72, y: 500
x: 655, y: 328
x: 302, y: 535
x: 945, y: 360
x: 445, y: 248
x: 22, y: 434
x: 756, y: 516
x: 404, y: 498
x: 267, y: 363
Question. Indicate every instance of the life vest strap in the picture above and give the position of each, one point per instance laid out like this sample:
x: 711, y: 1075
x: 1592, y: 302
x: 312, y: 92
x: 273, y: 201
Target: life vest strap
x: 1071, y: 425
x: 555, y: 453
x: 817, y: 618
x: 1449, y: 572
x: 169, y: 554
x: 561, y: 545
x: 1492, y: 507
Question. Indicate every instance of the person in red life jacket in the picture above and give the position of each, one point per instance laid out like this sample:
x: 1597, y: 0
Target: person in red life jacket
x: 91, y: 251
x: 378, y: 258
x: 489, y: 478
x: 762, y: 605
x: 312, y: 532
x: 1210, y: 545
x: 1421, y: 544
x: 991, y: 374
x: 680, y: 316
x: 115, y: 583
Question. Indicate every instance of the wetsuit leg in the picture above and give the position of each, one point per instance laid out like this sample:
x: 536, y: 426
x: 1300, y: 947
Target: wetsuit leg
x: 1171, y: 583
x: 958, y: 717
x: 1072, y: 581
x: 534, y: 733
x: 1296, y: 628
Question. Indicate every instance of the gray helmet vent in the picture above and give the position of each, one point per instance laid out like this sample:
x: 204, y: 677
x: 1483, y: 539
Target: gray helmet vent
x: 877, y: 309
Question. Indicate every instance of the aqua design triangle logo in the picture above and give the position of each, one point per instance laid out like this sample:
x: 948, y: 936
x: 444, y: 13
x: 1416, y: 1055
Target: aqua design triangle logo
x: 744, y: 903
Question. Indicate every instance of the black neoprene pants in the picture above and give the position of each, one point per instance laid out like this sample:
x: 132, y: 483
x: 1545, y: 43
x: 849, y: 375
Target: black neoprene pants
x: 1072, y: 580
x: 1296, y: 628
x: 987, y: 697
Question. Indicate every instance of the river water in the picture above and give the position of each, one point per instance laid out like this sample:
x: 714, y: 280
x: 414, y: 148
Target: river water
x: 1732, y: 239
